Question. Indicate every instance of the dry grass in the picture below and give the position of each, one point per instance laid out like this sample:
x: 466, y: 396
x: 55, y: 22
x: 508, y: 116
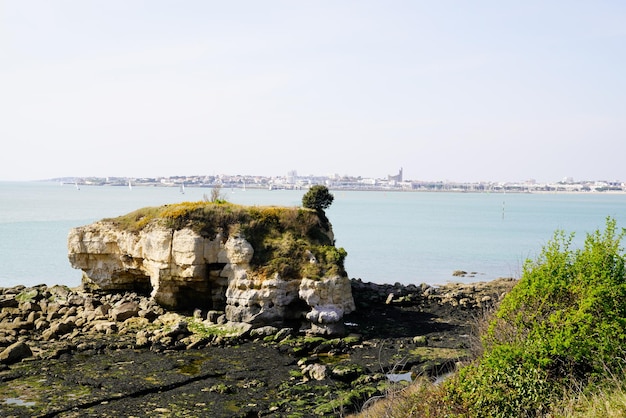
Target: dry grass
x: 605, y: 404
x: 605, y: 400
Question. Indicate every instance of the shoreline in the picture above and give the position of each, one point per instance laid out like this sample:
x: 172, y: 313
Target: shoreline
x: 452, y: 280
x: 417, y: 187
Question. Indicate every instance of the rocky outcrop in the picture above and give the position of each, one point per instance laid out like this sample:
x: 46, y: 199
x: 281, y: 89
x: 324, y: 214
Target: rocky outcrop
x: 183, y: 268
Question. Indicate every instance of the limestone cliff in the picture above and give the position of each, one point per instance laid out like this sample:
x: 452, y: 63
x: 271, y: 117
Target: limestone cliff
x: 260, y: 265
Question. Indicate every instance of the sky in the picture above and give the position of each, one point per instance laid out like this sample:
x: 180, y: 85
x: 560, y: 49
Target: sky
x: 447, y: 90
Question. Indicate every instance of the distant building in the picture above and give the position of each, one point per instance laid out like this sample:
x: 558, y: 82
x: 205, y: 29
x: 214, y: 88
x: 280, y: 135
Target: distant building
x: 397, y: 178
x: 292, y: 176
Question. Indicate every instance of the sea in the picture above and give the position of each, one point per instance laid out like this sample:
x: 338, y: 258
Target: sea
x: 390, y: 236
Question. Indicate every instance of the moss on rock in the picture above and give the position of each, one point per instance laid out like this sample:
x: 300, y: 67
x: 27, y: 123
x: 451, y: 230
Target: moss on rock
x: 291, y: 241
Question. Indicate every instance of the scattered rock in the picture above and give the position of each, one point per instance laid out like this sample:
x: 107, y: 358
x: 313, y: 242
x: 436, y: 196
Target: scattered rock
x: 418, y: 331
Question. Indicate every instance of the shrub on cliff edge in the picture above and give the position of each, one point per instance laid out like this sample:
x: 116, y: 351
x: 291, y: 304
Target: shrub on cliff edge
x: 318, y: 197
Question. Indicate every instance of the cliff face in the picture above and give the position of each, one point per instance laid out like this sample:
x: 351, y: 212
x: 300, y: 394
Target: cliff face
x: 260, y: 266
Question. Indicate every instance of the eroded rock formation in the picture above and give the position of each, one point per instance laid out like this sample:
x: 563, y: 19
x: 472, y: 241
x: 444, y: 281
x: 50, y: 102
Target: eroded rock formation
x: 182, y: 266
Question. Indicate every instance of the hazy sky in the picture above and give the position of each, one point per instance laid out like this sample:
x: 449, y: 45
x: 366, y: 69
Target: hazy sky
x: 457, y: 90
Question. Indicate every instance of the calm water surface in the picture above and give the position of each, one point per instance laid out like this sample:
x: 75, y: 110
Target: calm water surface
x: 406, y: 237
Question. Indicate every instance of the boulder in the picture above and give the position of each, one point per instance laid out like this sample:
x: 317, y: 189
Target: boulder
x: 15, y: 352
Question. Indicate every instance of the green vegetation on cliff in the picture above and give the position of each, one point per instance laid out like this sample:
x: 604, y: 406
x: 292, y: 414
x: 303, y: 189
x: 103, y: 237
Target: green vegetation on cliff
x: 285, y: 239
x: 557, y: 340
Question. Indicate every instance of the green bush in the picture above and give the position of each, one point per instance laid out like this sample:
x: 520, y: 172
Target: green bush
x: 569, y: 310
x: 500, y: 385
x: 563, y: 324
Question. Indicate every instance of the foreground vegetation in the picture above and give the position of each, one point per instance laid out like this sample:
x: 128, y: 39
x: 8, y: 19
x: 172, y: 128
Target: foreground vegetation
x: 554, y: 347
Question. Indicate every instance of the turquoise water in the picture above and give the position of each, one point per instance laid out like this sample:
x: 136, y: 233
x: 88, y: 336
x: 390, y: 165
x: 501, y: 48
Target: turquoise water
x: 406, y: 237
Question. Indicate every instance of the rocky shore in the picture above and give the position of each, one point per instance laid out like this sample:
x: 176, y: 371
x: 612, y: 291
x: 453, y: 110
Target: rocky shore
x: 70, y: 352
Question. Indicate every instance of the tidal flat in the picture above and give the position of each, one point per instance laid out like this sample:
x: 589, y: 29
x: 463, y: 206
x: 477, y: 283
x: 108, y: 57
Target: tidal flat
x: 163, y: 367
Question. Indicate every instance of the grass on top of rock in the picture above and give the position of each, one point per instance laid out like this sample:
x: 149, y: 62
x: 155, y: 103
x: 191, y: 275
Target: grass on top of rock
x: 291, y: 241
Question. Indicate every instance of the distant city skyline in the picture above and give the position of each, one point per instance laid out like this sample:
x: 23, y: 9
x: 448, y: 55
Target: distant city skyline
x: 457, y: 91
x: 335, y: 182
x: 397, y: 177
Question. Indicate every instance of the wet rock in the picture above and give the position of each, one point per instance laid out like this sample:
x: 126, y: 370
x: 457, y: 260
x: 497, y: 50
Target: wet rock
x: 58, y: 352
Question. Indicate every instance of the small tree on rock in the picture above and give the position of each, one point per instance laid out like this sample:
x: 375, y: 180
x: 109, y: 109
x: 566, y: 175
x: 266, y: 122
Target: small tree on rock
x: 318, y: 197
